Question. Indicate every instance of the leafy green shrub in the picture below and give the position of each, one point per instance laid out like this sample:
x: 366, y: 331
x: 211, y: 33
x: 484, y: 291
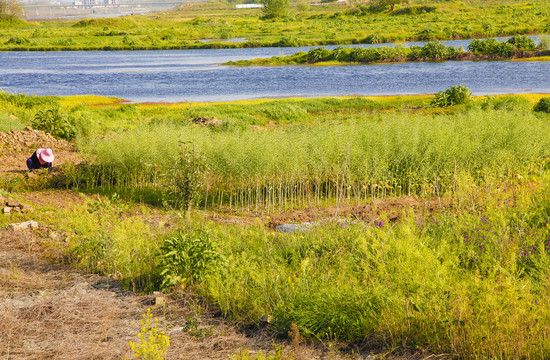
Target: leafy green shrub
x: 364, y: 55
x: 455, y: 95
x: 274, y: 8
x: 187, y: 258
x: 372, y: 39
x: 487, y: 47
x: 504, y: 49
x: 55, y: 123
x: 522, y: 42
x: 437, y: 50
x: 318, y: 54
x: 186, y: 179
x: 544, y: 42
x: 543, y: 105
x: 288, y: 41
x: 426, y: 34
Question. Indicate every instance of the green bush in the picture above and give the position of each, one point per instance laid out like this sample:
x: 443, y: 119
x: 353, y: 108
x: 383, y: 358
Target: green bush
x: 318, y: 54
x: 437, y: 50
x: 455, y: 95
x: 187, y: 258
x: 186, y: 179
x: 522, y: 42
x: 487, y: 47
x: 373, y: 39
x: 288, y: 41
x: 504, y: 49
x: 55, y: 123
x: 274, y: 8
x: 544, y: 42
x: 543, y: 105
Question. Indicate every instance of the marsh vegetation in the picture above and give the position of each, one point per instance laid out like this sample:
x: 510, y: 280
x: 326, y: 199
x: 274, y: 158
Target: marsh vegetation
x: 464, y: 274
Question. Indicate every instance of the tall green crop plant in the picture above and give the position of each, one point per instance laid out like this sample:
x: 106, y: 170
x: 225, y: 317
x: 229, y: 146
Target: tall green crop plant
x: 359, y: 158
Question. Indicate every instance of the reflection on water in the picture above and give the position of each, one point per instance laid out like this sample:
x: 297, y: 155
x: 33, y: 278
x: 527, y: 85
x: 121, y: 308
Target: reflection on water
x: 193, y: 75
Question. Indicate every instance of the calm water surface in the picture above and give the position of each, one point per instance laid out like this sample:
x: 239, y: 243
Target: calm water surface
x: 195, y: 75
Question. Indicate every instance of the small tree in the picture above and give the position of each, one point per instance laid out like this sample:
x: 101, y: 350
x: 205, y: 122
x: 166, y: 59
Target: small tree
x: 9, y: 8
x: 275, y: 8
x: 390, y: 3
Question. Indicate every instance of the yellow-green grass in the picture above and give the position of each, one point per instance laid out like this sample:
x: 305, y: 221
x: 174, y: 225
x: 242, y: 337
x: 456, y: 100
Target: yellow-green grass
x: 535, y: 58
x: 316, y: 26
x: 469, y: 281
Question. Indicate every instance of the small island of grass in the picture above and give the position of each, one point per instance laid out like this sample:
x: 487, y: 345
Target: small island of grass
x: 517, y: 48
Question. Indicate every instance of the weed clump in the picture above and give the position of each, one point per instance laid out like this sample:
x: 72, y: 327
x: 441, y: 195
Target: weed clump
x: 454, y: 95
x: 543, y: 105
x: 55, y: 123
x: 153, y: 342
x: 187, y: 258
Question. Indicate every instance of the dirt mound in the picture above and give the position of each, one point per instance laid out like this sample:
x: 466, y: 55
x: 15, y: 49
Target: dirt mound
x: 18, y: 145
x: 17, y: 141
x: 207, y: 121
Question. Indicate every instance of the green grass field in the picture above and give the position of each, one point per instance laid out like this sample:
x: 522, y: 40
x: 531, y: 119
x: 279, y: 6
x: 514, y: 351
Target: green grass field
x: 186, y: 27
x: 467, y: 277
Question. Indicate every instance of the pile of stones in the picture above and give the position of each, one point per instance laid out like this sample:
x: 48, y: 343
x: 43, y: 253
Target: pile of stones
x: 11, y: 206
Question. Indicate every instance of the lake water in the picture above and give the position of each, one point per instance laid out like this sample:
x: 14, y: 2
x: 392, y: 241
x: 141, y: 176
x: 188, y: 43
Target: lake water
x: 195, y: 75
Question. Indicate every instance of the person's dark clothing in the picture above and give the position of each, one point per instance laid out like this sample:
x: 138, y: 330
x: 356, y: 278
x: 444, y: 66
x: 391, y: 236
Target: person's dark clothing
x: 34, y: 163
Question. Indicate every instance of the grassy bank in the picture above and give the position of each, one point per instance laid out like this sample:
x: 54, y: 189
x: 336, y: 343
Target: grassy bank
x: 467, y: 277
x: 188, y: 28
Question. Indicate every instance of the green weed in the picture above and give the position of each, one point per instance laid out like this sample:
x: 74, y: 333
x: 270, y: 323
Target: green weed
x: 187, y: 258
x: 543, y: 105
x: 153, y: 342
x: 454, y: 95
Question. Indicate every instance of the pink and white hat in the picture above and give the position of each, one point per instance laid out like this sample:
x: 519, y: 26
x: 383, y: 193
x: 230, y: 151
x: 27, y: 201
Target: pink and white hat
x: 45, y: 155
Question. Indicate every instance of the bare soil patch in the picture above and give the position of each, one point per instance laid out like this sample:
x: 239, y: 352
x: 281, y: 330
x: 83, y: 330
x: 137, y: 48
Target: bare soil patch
x: 391, y: 209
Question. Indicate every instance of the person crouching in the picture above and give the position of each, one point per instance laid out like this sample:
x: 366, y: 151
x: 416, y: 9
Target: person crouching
x: 41, y: 158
